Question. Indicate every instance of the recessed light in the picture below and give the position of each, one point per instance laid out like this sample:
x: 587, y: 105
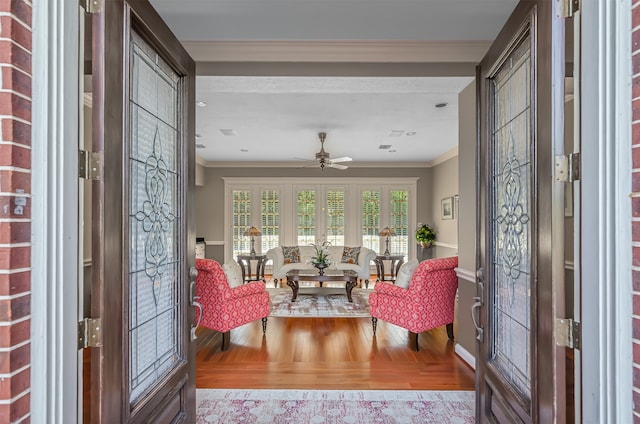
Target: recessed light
x: 228, y: 131
x: 392, y: 151
x: 201, y: 103
x: 443, y: 104
x: 384, y: 146
x: 244, y: 150
x: 200, y: 146
x: 410, y: 133
x: 396, y: 133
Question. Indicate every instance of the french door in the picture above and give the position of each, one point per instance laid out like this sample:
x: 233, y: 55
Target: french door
x: 143, y: 85
x: 520, y: 369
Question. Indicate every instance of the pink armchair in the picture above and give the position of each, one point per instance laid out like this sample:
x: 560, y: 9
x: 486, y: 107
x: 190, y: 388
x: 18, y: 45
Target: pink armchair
x: 223, y: 307
x: 428, y: 302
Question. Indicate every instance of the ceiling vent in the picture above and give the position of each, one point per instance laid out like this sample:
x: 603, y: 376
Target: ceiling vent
x: 228, y: 132
x: 200, y: 146
x: 396, y: 133
x: 384, y: 146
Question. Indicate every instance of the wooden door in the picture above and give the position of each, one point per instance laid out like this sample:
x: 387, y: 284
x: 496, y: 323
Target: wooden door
x: 143, y: 239
x: 520, y: 371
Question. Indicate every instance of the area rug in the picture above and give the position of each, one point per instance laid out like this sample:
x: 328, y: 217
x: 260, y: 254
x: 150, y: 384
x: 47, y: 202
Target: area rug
x: 334, y: 406
x: 319, y: 302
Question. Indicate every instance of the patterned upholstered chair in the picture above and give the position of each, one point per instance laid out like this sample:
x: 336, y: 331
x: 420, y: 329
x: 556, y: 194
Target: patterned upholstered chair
x: 428, y: 303
x: 225, y: 308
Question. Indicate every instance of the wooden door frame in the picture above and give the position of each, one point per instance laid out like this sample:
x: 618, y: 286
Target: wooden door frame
x: 54, y: 212
x: 607, y: 368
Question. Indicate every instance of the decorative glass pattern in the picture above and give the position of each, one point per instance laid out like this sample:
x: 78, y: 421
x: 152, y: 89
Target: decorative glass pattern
x: 399, y: 222
x: 335, y: 217
x: 270, y: 219
x: 306, y: 217
x: 511, y: 209
x: 153, y: 219
x: 241, y: 221
x: 371, y: 220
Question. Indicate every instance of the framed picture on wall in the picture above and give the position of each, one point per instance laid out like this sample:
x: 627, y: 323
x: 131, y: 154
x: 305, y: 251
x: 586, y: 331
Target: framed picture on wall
x: 446, y: 208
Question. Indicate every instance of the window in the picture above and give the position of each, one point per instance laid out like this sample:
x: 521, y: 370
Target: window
x: 270, y: 219
x: 306, y: 217
x: 370, y: 217
x: 335, y: 217
x: 399, y: 222
x: 299, y: 211
x: 241, y: 220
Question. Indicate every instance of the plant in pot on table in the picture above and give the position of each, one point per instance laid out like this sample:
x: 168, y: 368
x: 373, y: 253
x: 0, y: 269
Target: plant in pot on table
x: 425, y: 236
x: 321, y: 258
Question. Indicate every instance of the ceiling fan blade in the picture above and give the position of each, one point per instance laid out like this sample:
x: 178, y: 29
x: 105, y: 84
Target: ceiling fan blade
x: 337, y: 166
x: 342, y: 159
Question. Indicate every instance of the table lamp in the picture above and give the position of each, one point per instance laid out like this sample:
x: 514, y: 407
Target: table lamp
x: 387, y: 232
x: 253, y: 232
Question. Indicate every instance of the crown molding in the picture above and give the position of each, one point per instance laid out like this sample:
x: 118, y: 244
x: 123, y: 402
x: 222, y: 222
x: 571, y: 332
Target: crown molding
x: 450, y: 154
x: 256, y: 164
x: 337, y: 51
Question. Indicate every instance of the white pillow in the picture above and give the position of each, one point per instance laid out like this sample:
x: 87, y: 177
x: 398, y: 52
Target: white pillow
x: 403, y: 279
x: 234, y: 274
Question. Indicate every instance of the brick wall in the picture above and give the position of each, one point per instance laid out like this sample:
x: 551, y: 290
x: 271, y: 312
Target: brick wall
x: 15, y: 214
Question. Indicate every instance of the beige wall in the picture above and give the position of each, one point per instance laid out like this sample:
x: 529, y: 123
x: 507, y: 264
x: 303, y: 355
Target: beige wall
x: 466, y: 214
x: 445, y: 185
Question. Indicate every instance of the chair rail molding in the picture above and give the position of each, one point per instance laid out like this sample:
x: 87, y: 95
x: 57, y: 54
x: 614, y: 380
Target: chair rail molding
x: 447, y: 245
x: 466, y: 274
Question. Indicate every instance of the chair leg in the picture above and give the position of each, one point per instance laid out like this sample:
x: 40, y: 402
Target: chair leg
x: 366, y: 283
x: 374, y: 323
x: 450, y: 331
x: 417, y: 346
x: 264, y: 325
x: 226, y: 340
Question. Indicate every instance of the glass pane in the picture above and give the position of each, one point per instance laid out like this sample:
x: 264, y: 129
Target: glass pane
x: 270, y: 219
x: 371, y: 220
x: 511, y: 190
x: 399, y: 222
x: 154, y: 217
x: 306, y: 217
x: 241, y: 221
x: 335, y: 217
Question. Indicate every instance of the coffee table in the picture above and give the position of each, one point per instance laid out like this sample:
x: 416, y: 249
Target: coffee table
x: 296, y: 275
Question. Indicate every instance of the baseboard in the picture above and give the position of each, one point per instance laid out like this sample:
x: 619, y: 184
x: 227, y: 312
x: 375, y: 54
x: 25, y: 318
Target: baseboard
x: 465, y: 355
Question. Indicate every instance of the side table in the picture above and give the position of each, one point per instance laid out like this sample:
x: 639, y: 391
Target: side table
x: 245, y: 265
x: 396, y: 261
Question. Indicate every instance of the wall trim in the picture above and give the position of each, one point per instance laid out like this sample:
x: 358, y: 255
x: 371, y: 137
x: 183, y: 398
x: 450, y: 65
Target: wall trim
x: 214, y: 242
x: 465, y: 355
x: 466, y: 274
x: 447, y: 245
x: 449, y: 154
x: 338, y: 51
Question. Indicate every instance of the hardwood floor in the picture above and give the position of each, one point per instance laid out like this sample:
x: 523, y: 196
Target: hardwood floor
x: 329, y: 353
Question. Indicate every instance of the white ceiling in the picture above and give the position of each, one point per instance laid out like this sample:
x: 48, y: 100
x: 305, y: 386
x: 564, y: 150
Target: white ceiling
x: 277, y: 118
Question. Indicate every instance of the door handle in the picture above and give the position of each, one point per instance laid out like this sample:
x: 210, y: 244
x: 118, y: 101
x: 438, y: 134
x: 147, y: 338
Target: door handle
x: 480, y: 275
x: 193, y: 300
x: 476, y: 307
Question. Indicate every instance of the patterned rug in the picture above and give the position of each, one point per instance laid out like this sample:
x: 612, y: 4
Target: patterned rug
x: 334, y: 406
x: 319, y: 302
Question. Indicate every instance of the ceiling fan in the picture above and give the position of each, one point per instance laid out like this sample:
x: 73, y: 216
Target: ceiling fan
x: 324, y: 159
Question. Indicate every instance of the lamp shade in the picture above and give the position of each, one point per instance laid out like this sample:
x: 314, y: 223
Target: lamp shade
x: 387, y: 232
x: 252, y: 231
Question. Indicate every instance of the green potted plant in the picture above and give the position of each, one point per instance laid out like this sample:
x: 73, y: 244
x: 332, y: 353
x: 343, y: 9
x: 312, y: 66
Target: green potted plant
x: 425, y: 235
x: 321, y: 258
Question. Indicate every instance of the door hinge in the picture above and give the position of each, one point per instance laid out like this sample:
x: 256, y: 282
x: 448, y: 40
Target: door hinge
x: 568, y: 333
x: 89, y: 165
x: 90, y: 333
x: 91, y: 6
x: 567, y: 168
x: 567, y: 8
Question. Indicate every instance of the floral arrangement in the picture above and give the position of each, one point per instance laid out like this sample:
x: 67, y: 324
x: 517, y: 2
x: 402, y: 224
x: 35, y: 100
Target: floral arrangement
x: 425, y: 235
x: 322, y: 255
